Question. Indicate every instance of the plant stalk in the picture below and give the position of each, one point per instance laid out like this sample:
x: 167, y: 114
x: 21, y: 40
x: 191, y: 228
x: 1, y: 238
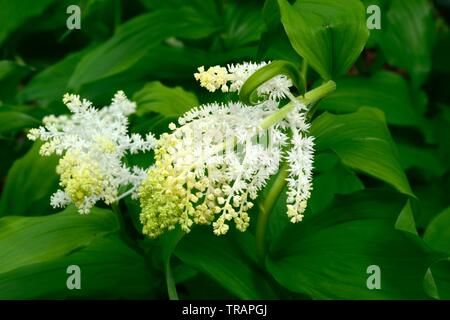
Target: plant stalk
x: 267, y: 204
x: 310, y: 97
x: 265, y: 207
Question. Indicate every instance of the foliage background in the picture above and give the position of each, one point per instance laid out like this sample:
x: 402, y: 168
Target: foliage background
x: 382, y: 167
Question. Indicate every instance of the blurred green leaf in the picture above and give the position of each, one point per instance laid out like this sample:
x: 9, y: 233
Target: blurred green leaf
x: 134, y: 39
x: 30, y: 240
x: 109, y: 270
x: 441, y: 275
x: 338, y: 180
x: 423, y: 158
x: 14, y: 13
x: 437, y: 234
x: 29, y: 184
x: 330, y: 179
x: 327, y: 255
x: 156, y: 97
x: 385, y: 90
x: 243, y: 24
x: 225, y: 262
x: 408, y: 36
x: 362, y: 141
x: 51, y: 83
x: 432, y: 200
x: 329, y: 34
x: 11, y: 75
x: 13, y: 121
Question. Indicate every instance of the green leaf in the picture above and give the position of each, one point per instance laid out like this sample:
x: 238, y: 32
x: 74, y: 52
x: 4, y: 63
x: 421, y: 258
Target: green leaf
x: 433, y: 200
x: 327, y: 255
x: 156, y: 97
x: 243, y: 24
x: 441, y: 275
x: 328, y: 184
x: 424, y: 158
x: 408, y: 36
x: 330, y: 179
x: 225, y: 262
x: 13, y: 121
x: 362, y: 142
x: 51, y: 83
x: 29, y: 184
x: 11, y: 74
x: 14, y: 13
x: 385, y: 90
x: 437, y: 234
x: 109, y: 270
x: 134, y: 39
x: 329, y: 34
x: 29, y: 240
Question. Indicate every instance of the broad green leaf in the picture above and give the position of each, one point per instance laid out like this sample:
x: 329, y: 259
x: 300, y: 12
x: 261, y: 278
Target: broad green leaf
x: 424, y: 158
x: 243, y: 24
x: 441, y: 275
x: 225, y: 262
x: 437, y: 234
x: 329, y: 34
x: 13, y: 121
x: 327, y: 255
x: 109, y: 270
x: 134, y: 39
x: 433, y: 199
x: 156, y: 97
x: 51, y: 83
x: 14, y: 13
x: 330, y: 179
x: 29, y: 184
x: 407, y: 37
x: 385, y: 90
x: 338, y: 180
x: 362, y: 141
x: 163, y: 63
x: 29, y: 240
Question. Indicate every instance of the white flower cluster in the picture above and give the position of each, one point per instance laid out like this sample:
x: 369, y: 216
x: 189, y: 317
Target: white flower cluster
x: 92, y: 143
x: 210, y: 169
x: 300, y: 158
x: 233, y: 77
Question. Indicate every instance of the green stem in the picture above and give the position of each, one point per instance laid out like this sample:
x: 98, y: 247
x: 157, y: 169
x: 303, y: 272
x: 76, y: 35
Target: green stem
x: 310, y: 97
x: 115, y: 208
x: 267, y: 204
x: 265, y: 207
x: 170, y: 281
